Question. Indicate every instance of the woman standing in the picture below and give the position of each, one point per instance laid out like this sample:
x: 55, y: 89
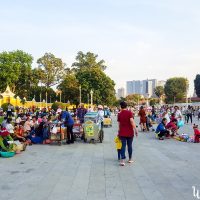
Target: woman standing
x: 127, y: 128
x: 143, y: 118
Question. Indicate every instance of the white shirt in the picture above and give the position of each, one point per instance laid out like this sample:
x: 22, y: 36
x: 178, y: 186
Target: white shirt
x: 178, y: 114
x: 10, y: 128
x: 100, y: 115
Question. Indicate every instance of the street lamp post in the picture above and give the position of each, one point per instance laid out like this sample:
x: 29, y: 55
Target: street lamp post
x: 91, y: 94
x: 88, y: 97
x: 46, y: 99
x: 40, y: 95
x: 40, y: 100
x: 80, y: 94
x: 60, y: 96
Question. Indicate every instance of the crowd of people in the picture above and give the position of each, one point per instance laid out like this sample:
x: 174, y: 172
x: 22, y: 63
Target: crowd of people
x: 33, y: 126
x: 168, y: 118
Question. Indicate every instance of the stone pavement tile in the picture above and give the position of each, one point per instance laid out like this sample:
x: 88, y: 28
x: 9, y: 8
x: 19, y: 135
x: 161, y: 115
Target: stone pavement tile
x: 80, y: 184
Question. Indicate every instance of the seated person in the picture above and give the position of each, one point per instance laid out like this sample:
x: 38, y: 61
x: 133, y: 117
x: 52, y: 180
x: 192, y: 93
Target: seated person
x: 27, y: 125
x: 172, y: 126
x: 4, y: 138
x: 9, y: 127
x: 19, y: 133
x: 196, y: 133
x: 161, y: 129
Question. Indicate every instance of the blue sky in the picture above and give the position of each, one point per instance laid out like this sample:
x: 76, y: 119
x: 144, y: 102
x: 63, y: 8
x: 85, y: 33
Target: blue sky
x: 137, y: 39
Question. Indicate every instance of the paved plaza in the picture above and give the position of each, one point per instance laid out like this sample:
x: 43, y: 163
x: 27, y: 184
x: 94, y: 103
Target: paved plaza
x: 162, y: 170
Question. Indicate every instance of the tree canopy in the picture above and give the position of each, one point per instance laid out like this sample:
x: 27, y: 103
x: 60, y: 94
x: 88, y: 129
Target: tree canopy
x: 159, y: 91
x: 88, y: 60
x: 51, y: 69
x: 87, y: 71
x: 176, y: 89
x: 15, y: 71
x: 197, y: 84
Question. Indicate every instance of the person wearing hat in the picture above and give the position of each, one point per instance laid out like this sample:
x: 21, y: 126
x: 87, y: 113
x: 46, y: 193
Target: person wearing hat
x: 100, y: 115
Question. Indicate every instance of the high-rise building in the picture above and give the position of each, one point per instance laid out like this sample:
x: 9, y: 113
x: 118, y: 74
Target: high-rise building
x: 143, y: 87
x: 129, y: 87
x: 120, y: 93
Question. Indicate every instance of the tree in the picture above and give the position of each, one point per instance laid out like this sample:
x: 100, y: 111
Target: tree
x: 133, y: 99
x: 52, y: 69
x: 9, y: 70
x: 102, y: 85
x: 159, y: 91
x: 197, y: 84
x: 23, y: 83
x: 70, y: 88
x: 15, y: 68
x: 89, y: 72
x: 88, y: 60
x: 176, y: 89
x: 153, y: 101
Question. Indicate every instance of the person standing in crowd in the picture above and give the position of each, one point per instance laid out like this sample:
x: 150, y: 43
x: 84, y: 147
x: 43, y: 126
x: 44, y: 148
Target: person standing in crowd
x: 143, y: 119
x: 9, y: 111
x: 177, y: 113
x: 100, y: 115
x: 189, y: 113
x: 69, y: 123
x: 106, y: 112
x: 127, y: 130
x: 81, y: 113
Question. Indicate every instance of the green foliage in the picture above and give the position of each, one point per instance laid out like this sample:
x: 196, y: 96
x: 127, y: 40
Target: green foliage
x: 10, y: 70
x: 88, y: 73
x: 52, y: 69
x: 197, y: 84
x: 55, y: 105
x: 24, y: 81
x: 4, y: 106
x: 88, y: 60
x: 153, y: 102
x: 95, y: 79
x: 133, y: 99
x: 70, y: 88
x: 176, y: 89
x: 159, y: 91
x: 15, y: 68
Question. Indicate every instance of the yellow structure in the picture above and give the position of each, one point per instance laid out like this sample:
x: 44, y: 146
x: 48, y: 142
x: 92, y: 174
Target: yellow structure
x: 9, y: 97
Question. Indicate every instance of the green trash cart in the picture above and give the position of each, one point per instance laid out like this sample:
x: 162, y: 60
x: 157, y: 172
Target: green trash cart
x: 93, y: 130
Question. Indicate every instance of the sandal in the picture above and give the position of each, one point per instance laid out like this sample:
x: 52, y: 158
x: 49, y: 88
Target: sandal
x: 130, y: 161
x: 122, y: 164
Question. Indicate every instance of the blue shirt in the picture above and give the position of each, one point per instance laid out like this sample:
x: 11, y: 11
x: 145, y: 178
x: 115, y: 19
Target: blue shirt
x: 160, y: 127
x: 68, y: 119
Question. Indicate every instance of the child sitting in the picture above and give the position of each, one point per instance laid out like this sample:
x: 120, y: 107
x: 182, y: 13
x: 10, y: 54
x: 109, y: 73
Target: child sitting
x: 196, y: 133
x: 118, y: 147
x: 172, y: 126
